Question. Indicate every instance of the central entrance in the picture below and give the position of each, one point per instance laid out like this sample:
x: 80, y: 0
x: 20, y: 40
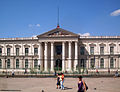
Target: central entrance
x: 58, y: 56
x: 58, y: 66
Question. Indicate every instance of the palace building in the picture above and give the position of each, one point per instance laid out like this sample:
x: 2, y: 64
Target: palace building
x: 60, y: 50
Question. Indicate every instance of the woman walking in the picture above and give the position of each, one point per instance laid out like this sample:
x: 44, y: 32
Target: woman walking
x: 81, y: 85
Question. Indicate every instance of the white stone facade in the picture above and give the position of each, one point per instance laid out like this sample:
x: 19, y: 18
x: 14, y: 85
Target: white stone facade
x: 74, y: 53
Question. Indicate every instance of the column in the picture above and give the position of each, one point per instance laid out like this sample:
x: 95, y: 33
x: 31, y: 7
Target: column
x: 89, y: 62
x: 97, y: 62
x: 45, y: 58
x: 63, y: 56
x: 76, y: 56
x: 40, y: 52
x: 69, y: 57
x: 52, y: 56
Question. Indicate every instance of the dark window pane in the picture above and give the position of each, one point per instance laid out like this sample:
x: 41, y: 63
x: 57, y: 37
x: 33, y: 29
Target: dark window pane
x: 92, y: 50
x: 8, y: 51
x: 35, y: 51
x: 101, y: 50
x: 17, y: 63
x: 59, y: 49
x: 26, y: 51
x: 82, y: 50
x: 17, y: 51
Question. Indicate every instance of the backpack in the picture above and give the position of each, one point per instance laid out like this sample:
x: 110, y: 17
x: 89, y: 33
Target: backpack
x: 86, y: 85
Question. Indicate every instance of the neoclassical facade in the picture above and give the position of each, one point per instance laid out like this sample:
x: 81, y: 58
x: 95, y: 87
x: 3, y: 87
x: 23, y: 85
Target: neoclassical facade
x: 60, y: 50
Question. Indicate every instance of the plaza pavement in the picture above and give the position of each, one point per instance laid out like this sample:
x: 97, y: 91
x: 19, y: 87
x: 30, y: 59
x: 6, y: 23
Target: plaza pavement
x: 49, y: 84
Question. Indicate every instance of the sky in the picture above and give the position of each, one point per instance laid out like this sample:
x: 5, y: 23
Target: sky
x: 28, y: 18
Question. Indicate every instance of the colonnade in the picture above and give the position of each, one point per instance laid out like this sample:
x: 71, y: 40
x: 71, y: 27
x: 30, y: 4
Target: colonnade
x: 45, y: 59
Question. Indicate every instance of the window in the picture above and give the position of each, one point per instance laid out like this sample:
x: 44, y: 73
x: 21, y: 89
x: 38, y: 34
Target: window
x: 35, y: 51
x: 101, y: 50
x: 8, y: 63
x: 82, y: 63
x: 26, y: 63
x: 92, y: 63
x: 17, y: 63
x: 8, y: 51
x: 17, y: 51
x: 111, y: 63
x: 0, y: 51
x: 0, y: 63
x: 82, y: 50
x: 101, y: 63
x: 26, y: 51
x: 35, y: 63
x: 111, y: 50
x: 91, y: 50
x: 59, y: 49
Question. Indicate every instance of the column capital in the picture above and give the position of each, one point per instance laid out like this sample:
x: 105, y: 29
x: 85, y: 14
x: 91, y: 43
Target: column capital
x: 52, y: 43
x: 70, y: 41
x: 64, y: 42
x: 46, y: 43
x: 76, y: 41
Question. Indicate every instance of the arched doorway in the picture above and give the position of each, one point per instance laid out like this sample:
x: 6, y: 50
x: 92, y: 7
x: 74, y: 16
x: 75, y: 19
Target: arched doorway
x: 58, y: 65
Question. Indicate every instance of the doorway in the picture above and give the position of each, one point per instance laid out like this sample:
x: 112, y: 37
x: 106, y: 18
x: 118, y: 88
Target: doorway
x: 58, y: 65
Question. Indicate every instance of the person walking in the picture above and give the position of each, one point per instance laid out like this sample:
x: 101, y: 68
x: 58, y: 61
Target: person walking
x: 62, y: 81
x: 81, y: 85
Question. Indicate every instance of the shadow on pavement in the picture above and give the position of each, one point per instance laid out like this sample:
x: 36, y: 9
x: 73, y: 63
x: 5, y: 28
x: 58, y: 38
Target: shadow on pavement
x: 66, y: 88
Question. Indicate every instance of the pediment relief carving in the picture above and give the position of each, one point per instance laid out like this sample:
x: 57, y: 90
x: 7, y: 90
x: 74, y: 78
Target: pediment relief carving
x: 112, y: 44
x: 17, y: 46
x: 35, y: 46
x: 9, y: 46
x: 26, y: 46
x: 58, y: 32
x: 92, y: 45
x: 102, y: 44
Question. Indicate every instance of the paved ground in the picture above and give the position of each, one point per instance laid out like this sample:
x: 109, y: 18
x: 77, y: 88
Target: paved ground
x: 49, y: 85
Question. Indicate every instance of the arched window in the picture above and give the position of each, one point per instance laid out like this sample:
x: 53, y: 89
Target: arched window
x: 8, y: 63
x: 92, y: 63
x: 101, y: 63
x: 35, y: 63
x: 26, y: 63
x: 17, y: 63
x: 111, y: 63
x: 0, y: 63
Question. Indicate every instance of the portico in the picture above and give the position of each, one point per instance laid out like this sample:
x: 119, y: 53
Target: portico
x: 59, y: 46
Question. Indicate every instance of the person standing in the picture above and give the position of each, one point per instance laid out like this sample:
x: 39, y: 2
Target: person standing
x: 81, y: 85
x: 58, y: 81
x: 62, y: 81
x: 13, y: 73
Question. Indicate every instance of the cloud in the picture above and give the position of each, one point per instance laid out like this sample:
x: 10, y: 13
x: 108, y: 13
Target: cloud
x: 115, y: 13
x: 84, y: 34
x: 34, y: 36
x: 33, y: 25
x: 38, y: 25
x: 30, y: 25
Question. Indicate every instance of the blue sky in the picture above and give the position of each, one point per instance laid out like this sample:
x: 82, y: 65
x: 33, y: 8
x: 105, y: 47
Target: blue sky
x: 26, y: 18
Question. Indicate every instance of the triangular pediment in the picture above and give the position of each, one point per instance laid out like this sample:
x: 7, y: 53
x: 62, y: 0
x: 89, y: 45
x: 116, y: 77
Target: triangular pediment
x: 58, y: 32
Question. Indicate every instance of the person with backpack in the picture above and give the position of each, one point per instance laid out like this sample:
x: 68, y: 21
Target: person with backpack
x: 81, y: 85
